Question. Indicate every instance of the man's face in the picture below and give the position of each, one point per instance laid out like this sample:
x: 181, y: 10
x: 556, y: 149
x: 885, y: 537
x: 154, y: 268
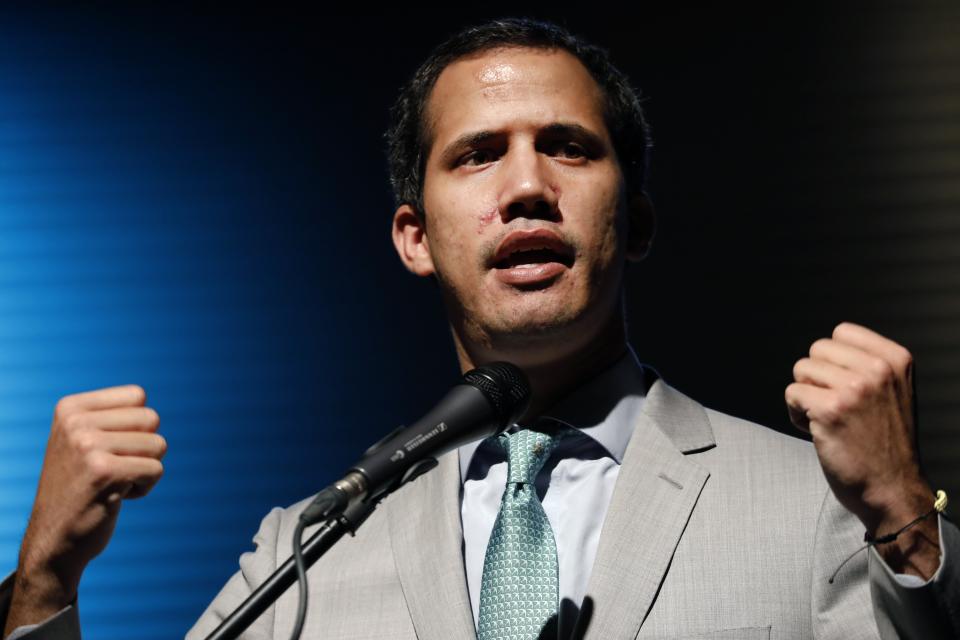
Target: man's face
x: 525, y: 203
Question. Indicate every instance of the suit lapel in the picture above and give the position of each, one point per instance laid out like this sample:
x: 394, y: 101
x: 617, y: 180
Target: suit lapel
x: 427, y: 549
x: 656, y: 491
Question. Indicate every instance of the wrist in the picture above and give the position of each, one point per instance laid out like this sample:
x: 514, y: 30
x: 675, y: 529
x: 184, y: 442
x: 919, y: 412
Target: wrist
x: 46, y: 574
x: 899, y: 504
x: 915, y: 552
x: 913, y: 524
x: 42, y: 588
x: 36, y: 598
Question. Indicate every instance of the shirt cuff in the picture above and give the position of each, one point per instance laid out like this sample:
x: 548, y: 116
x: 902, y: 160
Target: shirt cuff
x: 915, y: 582
x: 20, y: 632
x: 64, y: 624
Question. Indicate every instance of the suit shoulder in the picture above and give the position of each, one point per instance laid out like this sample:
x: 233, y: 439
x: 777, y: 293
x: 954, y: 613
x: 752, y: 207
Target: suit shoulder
x: 740, y: 431
x: 754, y: 444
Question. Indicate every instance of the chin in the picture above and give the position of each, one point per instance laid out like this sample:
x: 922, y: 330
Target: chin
x: 537, y: 321
x: 535, y: 345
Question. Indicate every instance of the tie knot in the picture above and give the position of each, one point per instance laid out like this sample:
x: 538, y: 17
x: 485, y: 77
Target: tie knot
x: 527, y: 451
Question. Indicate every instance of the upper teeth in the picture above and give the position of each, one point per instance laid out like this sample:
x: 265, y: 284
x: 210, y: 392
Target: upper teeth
x: 532, y: 247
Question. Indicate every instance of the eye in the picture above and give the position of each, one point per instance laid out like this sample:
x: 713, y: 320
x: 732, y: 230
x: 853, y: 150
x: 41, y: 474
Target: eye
x: 477, y: 157
x: 569, y: 149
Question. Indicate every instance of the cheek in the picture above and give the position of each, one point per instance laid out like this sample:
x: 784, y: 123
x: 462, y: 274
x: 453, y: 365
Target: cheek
x: 604, y: 234
x: 445, y: 250
x: 467, y: 202
x: 464, y: 219
x: 615, y: 222
x: 453, y: 248
x: 485, y: 218
x: 606, y: 254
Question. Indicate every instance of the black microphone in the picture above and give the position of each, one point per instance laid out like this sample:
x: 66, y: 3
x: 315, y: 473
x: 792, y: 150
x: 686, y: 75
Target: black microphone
x: 486, y: 402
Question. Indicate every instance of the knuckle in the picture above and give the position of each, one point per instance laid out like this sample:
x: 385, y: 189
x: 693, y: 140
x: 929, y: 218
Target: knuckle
x: 99, y: 468
x: 74, y: 422
x: 83, y: 440
x: 881, y: 370
x: 818, y: 346
x: 63, y: 408
x: 153, y: 418
x: 792, y: 396
x: 161, y: 446
x: 799, y: 366
x: 840, y: 329
x: 858, y: 387
x: 156, y: 469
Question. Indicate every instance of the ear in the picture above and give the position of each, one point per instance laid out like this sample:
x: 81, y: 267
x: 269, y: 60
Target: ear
x: 410, y: 239
x: 643, y: 226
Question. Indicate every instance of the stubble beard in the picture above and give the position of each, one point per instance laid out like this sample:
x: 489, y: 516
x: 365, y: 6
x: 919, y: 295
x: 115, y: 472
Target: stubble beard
x: 529, y: 327
x: 529, y: 333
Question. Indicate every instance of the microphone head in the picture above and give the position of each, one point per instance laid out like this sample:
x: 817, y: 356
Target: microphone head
x: 505, y: 386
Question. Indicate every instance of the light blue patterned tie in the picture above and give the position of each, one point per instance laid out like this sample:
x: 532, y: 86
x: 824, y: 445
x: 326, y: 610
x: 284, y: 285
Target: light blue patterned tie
x: 519, y: 590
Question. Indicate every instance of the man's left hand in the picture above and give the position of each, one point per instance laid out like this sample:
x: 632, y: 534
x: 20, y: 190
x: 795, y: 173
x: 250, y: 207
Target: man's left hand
x: 855, y: 396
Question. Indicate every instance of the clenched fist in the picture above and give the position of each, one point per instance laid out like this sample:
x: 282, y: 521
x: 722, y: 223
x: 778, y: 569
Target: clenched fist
x: 103, y: 447
x: 855, y: 395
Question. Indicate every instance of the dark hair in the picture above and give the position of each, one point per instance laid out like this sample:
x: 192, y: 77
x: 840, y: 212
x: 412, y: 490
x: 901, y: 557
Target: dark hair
x: 407, y: 141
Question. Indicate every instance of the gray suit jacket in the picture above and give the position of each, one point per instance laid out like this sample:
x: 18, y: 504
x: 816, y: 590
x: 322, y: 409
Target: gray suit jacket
x: 717, y: 528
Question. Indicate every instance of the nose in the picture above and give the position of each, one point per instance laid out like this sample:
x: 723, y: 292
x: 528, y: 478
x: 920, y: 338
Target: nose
x: 527, y: 189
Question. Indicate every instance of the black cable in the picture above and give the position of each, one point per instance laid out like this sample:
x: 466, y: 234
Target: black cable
x: 301, y: 580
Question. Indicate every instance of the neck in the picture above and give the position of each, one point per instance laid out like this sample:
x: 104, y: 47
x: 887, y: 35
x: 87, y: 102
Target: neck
x: 556, y: 368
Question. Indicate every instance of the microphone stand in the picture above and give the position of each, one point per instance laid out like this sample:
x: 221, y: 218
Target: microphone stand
x: 318, y: 544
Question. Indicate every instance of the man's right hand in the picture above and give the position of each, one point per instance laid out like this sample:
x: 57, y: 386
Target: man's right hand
x: 103, y: 447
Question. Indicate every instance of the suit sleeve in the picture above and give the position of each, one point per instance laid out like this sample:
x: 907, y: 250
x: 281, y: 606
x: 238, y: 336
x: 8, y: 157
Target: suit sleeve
x: 930, y: 610
x: 63, y: 625
x: 841, y: 608
x: 255, y: 567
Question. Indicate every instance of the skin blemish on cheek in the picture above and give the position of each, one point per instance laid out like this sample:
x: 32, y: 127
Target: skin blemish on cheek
x: 485, y: 218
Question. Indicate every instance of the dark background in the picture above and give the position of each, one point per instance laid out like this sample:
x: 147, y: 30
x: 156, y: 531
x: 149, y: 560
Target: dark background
x: 196, y: 200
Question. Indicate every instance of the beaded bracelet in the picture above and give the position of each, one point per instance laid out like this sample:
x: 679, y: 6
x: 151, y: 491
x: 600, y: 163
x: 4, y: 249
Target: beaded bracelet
x: 939, y: 506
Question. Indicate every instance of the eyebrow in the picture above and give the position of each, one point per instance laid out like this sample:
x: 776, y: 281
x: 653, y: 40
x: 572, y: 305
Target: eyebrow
x: 555, y: 129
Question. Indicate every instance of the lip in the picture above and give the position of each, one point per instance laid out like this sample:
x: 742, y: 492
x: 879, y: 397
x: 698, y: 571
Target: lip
x: 529, y: 275
x: 528, y: 239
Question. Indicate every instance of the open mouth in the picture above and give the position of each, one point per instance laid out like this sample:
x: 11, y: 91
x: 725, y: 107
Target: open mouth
x: 533, y: 258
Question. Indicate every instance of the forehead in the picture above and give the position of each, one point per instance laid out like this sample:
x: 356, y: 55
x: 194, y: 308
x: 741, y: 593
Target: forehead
x: 520, y: 87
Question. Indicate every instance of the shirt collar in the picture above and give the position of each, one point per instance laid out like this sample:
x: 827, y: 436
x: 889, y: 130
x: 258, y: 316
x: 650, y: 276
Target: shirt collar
x: 605, y: 408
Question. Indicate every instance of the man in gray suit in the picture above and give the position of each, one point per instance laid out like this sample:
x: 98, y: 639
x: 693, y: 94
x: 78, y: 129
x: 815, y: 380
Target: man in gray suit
x: 518, y: 155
